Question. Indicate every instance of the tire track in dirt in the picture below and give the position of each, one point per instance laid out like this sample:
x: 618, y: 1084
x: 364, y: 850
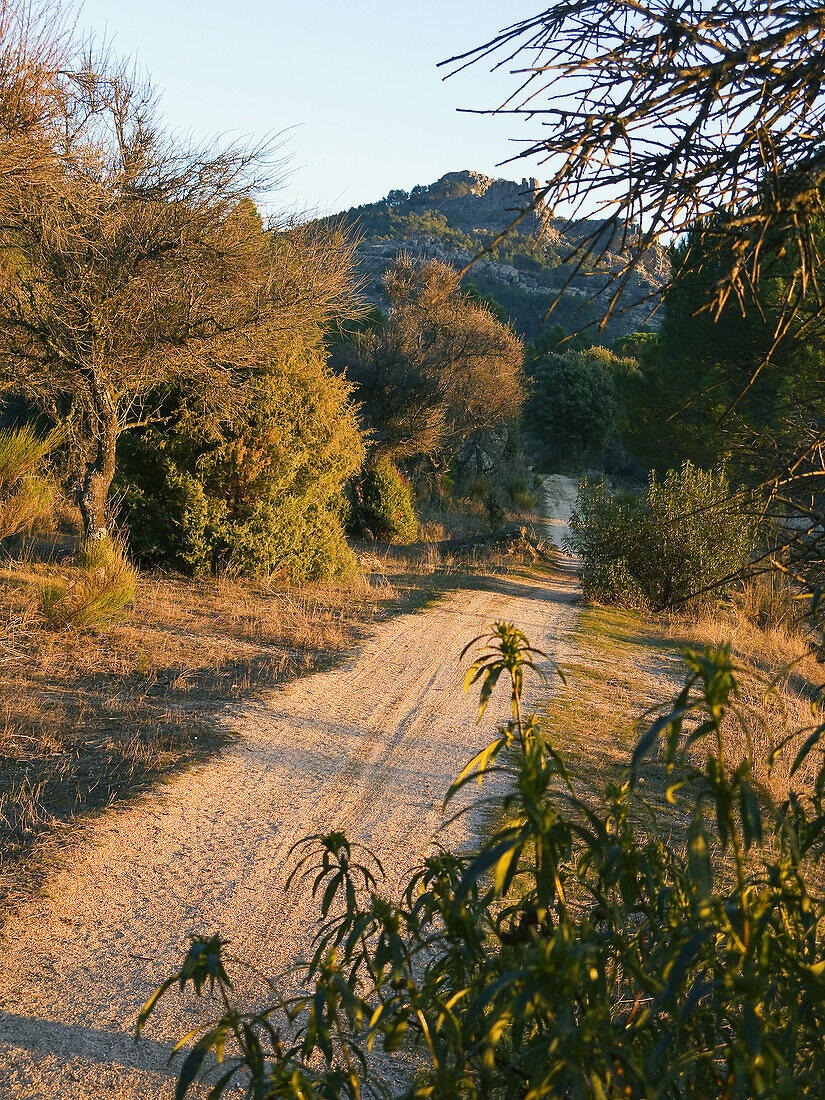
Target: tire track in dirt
x: 369, y: 747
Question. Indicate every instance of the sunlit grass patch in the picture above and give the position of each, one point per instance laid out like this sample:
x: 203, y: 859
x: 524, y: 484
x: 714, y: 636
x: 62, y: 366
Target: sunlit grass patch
x: 621, y: 662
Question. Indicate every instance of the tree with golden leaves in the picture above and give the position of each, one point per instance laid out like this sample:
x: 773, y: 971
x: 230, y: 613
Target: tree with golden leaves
x: 439, y: 369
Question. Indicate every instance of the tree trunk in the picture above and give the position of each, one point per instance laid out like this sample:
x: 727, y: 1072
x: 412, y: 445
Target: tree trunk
x: 93, y: 492
x: 360, y: 521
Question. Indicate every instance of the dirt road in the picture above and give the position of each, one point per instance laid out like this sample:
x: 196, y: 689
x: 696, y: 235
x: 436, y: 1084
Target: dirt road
x: 559, y: 497
x: 369, y: 747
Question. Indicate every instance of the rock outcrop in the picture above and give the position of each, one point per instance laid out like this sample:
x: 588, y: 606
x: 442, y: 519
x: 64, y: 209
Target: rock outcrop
x: 462, y: 213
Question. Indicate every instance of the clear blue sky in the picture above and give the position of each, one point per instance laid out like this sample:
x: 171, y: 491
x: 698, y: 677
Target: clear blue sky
x: 353, y: 86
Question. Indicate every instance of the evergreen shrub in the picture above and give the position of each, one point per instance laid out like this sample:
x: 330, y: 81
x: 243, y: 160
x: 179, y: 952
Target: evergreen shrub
x: 387, y: 500
x: 261, y: 494
x: 685, y: 536
x: 574, y: 404
x: 27, y: 490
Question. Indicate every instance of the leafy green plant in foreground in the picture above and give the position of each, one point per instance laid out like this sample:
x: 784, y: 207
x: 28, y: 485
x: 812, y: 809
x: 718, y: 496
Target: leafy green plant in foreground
x: 578, y: 951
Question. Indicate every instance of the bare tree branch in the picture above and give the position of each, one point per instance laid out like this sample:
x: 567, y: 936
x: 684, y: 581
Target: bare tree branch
x: 131, y: 263
x: 657, y: 113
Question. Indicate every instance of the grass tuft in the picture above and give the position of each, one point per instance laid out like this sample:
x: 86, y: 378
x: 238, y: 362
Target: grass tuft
x: 100, y: 593
x: 26, y: 495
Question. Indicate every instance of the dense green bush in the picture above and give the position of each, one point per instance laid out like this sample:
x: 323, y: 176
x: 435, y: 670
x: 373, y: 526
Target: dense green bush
x: 582, y: 951
x: 573, y: 405
x: 261, y: 494
x: 387, y: 500
x: 170, y: 519
x: 685, y: 535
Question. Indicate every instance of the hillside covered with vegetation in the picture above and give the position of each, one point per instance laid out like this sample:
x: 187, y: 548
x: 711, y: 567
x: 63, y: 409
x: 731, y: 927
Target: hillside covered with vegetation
x: 460, y: 216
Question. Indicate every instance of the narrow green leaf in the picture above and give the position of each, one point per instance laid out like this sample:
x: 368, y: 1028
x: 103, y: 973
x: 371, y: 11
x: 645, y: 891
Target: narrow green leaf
x: 189, y: 1070
x: 503, y: 875
x: 490, y: 681
x: 751, y: 814
x: 699, y: 859
x: 598, y: 1087
x: 150, y: 1004
x: 217, y: 1090
x: 810, y: 741
x: 649, y: 739
x: 486, y: 859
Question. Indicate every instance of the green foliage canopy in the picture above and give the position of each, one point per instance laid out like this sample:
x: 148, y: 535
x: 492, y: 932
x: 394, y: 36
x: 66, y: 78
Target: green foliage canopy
x: 698, y: 396
x: 258, y: 493
x: 686, y: 534
x: 574, y: 401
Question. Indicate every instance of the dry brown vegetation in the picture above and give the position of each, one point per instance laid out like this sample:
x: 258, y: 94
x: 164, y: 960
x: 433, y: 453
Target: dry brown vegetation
x: 621, y: 664
x: 439, y: 369
x: 781, y: 675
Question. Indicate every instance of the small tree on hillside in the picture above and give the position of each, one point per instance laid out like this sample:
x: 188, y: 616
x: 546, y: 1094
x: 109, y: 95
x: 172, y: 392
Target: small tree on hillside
x: 440, y: 368
x: 129, y: 264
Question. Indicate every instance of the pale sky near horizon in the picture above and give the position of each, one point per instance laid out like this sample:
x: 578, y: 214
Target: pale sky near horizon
x: 352, y: 88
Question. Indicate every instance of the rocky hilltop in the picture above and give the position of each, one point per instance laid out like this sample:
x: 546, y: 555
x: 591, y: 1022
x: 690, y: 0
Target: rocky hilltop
x: 462, y: 213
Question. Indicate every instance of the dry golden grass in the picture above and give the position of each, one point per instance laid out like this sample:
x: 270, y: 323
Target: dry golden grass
x: 621, y: 664
x: 617, y: 665
x: 454, y: 519
x: 780, y: 676
x: 445, y: 564
x: 468, y: 517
